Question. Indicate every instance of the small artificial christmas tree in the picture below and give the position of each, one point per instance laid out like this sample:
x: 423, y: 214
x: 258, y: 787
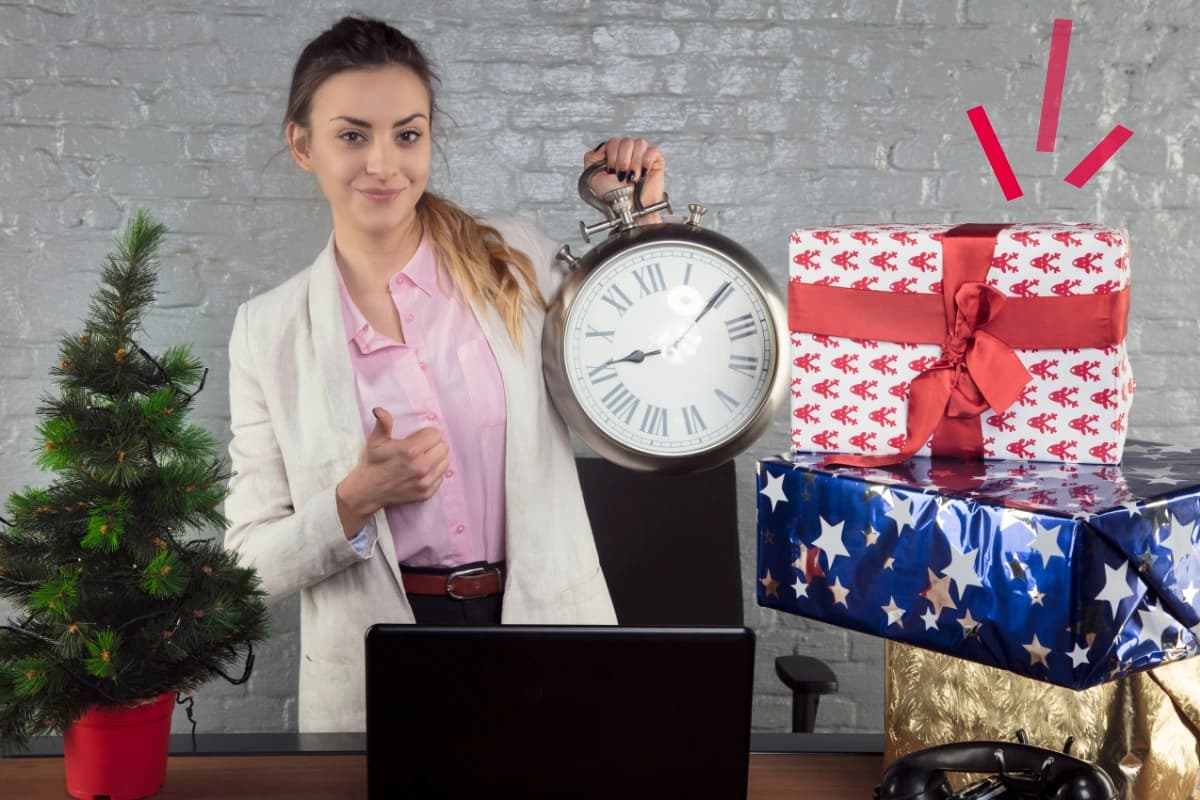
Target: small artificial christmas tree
x: 116, y: 603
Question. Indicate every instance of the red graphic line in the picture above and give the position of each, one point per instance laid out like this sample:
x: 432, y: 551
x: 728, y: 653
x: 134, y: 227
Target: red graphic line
x: 1096, y: 159
x: 1056, y: 72
x: 994, y: 153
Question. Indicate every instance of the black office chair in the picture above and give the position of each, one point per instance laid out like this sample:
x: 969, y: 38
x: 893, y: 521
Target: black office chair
x: 808, y: 678
x: 660, y: 537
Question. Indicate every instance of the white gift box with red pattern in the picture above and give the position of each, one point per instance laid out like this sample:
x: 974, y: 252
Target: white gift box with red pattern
x: 1025, y: 359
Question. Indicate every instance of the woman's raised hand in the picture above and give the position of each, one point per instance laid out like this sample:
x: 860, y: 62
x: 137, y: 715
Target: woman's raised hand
x: 628, y: 160
x: 391, y: 472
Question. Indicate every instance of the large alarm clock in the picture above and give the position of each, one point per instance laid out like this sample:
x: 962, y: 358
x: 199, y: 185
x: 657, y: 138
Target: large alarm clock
x: 664, y: 348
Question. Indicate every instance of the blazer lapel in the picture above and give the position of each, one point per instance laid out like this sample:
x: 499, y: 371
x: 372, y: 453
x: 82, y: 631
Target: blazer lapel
x: 337, y: 376
x: 329, y: 347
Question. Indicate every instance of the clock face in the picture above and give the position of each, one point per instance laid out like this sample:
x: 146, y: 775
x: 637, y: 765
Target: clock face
x: 670, y: 348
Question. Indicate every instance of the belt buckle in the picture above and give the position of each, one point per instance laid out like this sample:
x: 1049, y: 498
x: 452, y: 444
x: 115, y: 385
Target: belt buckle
x: 465, y: 573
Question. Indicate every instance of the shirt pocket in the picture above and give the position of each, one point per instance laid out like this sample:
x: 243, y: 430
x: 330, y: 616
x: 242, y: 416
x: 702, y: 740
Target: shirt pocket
x: 484, y: 384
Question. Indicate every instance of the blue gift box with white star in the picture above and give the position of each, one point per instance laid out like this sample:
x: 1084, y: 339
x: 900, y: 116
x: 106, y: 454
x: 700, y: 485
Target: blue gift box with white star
x: 1067, y: 573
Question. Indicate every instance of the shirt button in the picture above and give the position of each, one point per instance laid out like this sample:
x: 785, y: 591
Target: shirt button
x: 460, y: 529
x: 432, y: 417
x: 424, y: 365
x: 410, y: 317
x: 449, y: 473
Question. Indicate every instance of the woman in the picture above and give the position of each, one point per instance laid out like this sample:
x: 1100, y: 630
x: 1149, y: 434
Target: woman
x: 396, y: 456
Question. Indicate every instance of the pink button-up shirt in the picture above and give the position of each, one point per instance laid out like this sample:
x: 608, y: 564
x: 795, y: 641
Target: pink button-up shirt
x: 445, y: 376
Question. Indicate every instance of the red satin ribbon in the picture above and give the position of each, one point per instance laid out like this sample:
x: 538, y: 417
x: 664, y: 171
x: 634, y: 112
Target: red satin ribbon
x: 978, y: 327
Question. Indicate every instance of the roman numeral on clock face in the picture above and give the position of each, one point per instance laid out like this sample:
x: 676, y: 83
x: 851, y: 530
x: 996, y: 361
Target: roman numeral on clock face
x: 746, y: 365
x: 692, y: 420
x: 730, y: 403
x: 740, y: 327
x: 654, y: 420
x: 602, y: 373
x: 593, y: 332
x: 621, y: 402
x: 650, y: 279
x: 617, y: 299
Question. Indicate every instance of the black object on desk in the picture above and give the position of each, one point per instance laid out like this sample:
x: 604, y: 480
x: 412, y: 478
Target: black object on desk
x: 558, y: 711
x: 1022, y: 772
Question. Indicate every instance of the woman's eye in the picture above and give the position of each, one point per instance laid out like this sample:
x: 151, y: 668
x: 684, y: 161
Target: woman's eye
x: 348, y: 134
x: 408, y: 137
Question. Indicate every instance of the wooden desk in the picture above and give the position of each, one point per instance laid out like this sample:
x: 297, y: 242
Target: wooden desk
x: 773, y: 776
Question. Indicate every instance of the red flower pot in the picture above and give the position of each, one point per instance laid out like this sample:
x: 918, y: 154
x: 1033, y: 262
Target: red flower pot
x: 120, y: 753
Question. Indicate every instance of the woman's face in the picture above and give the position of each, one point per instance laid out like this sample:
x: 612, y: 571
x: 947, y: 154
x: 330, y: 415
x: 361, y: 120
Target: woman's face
x: 369, y: 146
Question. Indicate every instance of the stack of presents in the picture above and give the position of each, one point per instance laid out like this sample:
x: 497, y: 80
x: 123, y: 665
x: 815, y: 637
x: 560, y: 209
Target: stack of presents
x: 960, y: 484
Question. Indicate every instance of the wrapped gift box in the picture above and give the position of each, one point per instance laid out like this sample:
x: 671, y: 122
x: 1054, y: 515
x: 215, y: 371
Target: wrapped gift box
x: 996, y: 341
x: 1069, y: 574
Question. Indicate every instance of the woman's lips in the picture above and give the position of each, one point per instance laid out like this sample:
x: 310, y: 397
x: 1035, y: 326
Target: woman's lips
x: 376, y: 196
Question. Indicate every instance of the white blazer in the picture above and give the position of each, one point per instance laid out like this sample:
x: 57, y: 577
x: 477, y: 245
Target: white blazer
x: 296, y: 434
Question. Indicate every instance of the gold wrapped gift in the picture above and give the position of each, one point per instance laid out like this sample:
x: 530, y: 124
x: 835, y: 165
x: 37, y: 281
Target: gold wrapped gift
x: 1143, y: 730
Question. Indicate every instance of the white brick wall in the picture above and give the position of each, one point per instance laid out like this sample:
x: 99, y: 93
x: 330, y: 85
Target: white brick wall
x: 774, y: 113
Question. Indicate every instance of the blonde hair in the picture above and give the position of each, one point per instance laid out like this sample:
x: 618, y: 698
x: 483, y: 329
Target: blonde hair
x: 485, y: 269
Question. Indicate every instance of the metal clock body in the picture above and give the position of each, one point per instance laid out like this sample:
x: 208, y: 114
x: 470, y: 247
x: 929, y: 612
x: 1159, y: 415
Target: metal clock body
x: 664, y: 347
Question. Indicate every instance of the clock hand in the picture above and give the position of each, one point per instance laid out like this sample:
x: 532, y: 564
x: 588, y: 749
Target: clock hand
x: 712, y: 301
x: 636, y: 357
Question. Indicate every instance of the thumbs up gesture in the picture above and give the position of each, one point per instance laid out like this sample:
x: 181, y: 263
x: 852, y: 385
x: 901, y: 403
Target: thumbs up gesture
x: 382, y: 432
x: 392, y: 471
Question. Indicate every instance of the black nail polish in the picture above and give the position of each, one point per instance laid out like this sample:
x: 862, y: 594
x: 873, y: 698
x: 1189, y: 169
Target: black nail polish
x: 621, y: 175
x: 611, y: 171
x: 597, y: 147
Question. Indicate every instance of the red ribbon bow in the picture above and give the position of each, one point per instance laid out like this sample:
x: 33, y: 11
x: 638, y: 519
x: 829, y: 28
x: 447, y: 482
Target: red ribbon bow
x: 977, y: 370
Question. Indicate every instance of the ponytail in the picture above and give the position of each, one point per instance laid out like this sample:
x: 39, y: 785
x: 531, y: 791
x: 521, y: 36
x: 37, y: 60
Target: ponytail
x: 481, y: 263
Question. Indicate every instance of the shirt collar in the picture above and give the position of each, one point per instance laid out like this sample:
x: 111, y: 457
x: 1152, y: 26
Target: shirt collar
x: 358, y: 330
x: 421, y: 270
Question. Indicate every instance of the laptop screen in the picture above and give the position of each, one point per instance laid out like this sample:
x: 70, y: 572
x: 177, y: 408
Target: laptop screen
x: 558, y: 711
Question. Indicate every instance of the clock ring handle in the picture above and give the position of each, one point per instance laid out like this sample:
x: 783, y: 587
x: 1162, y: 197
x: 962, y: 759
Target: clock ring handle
x: 588, y: 194
x: 620, y: 206
x: 595, y: 201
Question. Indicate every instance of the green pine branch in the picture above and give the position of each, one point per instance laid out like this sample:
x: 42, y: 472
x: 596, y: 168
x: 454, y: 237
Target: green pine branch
x: 127, y: 284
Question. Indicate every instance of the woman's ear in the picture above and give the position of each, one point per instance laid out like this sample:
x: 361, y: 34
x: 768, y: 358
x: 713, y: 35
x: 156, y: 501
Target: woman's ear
x: 298, y: 141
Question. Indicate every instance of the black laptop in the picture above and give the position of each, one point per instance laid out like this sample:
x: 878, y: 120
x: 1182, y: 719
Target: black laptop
x: 558, y: 711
